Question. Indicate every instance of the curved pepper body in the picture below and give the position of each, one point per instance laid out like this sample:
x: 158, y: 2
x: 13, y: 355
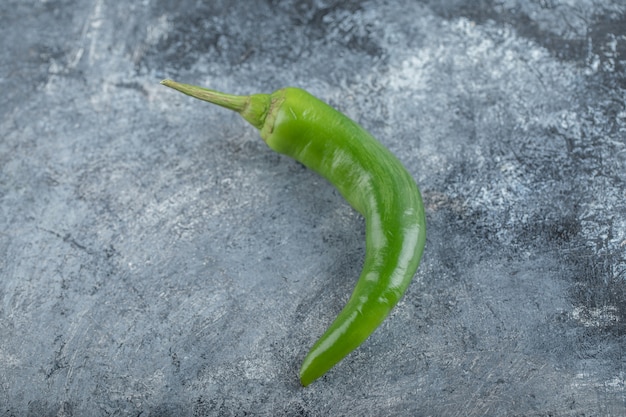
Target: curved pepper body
x: 372, y: 180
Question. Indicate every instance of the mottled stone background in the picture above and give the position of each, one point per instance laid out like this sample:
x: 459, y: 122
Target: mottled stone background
x: 157, y: 259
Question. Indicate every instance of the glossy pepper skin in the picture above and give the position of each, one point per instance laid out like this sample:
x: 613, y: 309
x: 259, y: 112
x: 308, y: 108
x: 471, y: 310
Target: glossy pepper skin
x: 374, y: 182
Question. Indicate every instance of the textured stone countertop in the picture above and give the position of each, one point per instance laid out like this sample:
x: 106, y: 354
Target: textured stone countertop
x: 157, y: 259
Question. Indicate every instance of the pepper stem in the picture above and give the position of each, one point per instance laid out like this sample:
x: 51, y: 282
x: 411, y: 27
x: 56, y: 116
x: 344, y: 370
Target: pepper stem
x: 253, y: 108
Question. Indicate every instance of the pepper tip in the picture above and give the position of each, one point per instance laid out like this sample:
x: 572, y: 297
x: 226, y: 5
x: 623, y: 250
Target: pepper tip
x: 305, y: 378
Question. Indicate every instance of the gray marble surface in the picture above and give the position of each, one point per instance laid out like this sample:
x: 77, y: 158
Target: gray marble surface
x: 157, y: 259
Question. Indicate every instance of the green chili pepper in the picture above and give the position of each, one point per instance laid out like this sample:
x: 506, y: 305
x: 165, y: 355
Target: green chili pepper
x: 293, y: 122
